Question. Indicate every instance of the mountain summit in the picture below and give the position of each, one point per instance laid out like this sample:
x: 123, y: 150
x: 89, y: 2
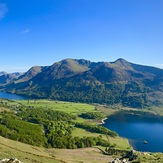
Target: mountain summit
x: 119, y: 82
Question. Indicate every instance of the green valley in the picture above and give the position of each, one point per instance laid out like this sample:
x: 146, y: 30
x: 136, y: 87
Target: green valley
x: 55, y: 124
x: 48, y: 125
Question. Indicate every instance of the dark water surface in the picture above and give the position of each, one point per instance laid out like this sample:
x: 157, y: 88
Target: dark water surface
x: 137, y: 130
x: 11, y: 96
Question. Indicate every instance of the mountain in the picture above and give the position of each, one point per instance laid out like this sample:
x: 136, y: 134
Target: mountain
x: 32, y: 72
x: 119, y: 82
x: 7, y: 78
x: 2, y: 73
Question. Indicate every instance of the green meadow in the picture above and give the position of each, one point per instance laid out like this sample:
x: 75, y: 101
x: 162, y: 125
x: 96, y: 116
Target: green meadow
x: 68, y: 107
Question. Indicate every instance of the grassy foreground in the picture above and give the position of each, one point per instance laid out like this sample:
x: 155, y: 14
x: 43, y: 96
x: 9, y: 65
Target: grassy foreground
x: 29, y: 154
x: 25, y: 153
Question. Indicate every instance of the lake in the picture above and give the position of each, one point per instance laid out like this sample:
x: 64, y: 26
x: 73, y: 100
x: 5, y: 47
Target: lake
x: 11, y: 96
x: 137, y: 130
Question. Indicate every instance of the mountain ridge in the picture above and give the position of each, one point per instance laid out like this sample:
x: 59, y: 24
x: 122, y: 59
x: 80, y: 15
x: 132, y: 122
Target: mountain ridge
x: 80, y: 80
x: 7, y: 78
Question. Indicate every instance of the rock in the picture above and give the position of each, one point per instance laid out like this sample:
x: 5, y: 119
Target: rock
x: 116, y: 160
x: 131, y: 155
x: 124, y: 161
x: 11, y: 160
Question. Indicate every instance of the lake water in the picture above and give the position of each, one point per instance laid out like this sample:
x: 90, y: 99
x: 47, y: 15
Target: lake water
x: 11, y: 96
x: 137, y: 129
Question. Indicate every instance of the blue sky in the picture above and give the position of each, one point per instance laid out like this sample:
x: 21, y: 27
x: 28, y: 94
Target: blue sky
x: 41, y: 32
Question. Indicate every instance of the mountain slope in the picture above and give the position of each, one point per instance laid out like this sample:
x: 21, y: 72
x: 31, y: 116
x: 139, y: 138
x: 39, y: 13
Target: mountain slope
x: 32, y: 72
x: 30, y: 154
x: 118, y: 82
x: 25, y: 152
x: 7, y: 78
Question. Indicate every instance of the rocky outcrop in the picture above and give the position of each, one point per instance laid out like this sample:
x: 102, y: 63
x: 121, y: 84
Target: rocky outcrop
x: 11, y: 160
x: 131, y: 155
x: 117, y: 160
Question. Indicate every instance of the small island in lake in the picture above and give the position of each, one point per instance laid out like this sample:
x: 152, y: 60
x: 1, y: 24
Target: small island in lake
x: 145, y: 142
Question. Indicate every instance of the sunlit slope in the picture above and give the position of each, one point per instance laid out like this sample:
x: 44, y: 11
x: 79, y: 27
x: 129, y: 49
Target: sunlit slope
x: 29, y: 154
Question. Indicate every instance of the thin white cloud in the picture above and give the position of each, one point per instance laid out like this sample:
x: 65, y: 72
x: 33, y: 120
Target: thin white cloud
x: 3, y: 10
x: 25, y: 31
x: 159, y: 65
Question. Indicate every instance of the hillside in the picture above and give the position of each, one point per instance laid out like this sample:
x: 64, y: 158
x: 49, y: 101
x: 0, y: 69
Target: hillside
x: 119, y: 82
x: 8, y: 78
x: 29, y: 154
x: 32, y: 72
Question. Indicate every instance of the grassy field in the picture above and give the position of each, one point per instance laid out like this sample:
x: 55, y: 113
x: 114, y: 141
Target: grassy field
x: 107, y: 110
x: 147, y: 157
x: 30, y: 154
x: 83, y: 155
x: 157, y: 110
x: 25, y: 153
x: 73, y: 108
x: 119, y: 143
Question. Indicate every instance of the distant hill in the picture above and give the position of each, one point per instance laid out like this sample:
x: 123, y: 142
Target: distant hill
x: 32, y: 72
x: 119, y: 82
x: 7, y: 78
